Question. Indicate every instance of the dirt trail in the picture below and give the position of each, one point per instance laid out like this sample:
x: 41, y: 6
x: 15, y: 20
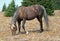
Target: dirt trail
x: 33, y: 27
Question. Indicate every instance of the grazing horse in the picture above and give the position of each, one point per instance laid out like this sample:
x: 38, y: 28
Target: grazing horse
x: 28, y: 13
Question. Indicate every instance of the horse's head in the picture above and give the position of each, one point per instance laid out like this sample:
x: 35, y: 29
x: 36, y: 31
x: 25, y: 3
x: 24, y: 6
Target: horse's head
x: 13, y: 28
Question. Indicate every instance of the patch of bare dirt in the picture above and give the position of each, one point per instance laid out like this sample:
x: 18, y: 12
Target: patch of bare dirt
x: 33, y: 27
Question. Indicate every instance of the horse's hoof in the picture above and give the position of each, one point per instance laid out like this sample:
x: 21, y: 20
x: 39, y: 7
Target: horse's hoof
x: 27, y: 32
x: 41, y: 30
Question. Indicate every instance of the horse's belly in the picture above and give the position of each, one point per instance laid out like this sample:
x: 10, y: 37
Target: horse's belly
x: 31, y: 16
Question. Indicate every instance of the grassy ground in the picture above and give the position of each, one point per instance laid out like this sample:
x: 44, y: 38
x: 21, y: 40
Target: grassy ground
x: 33, y: 27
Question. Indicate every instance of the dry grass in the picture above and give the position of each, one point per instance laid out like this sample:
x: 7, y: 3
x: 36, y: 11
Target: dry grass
x: 33, y: 27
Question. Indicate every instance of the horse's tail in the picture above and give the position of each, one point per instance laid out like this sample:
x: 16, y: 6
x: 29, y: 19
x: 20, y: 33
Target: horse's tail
x: 46, y: 17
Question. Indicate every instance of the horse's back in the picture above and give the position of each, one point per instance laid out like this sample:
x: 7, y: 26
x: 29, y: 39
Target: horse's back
x: 29, y: 12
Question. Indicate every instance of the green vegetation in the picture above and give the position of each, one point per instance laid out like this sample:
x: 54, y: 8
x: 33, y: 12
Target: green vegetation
x: 4, y: 7
x: 57, y: 6
x: 10, y: 10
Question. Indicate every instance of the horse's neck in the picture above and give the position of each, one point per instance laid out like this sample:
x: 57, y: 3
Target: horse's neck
x: 14, y: 19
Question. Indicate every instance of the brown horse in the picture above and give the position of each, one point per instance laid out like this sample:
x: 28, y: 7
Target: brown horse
x: 28, y: 13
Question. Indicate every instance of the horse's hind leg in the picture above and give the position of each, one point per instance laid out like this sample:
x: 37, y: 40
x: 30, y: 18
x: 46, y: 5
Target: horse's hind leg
x: 23, y: 25
x: 40, y: 21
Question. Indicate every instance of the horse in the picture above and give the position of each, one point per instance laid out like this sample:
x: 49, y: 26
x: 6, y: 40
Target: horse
x: 28, y: 13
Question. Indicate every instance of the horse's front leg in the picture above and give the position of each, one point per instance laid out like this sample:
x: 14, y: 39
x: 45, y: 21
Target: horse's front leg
x: 23, y: 25
x: 19, y: 25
